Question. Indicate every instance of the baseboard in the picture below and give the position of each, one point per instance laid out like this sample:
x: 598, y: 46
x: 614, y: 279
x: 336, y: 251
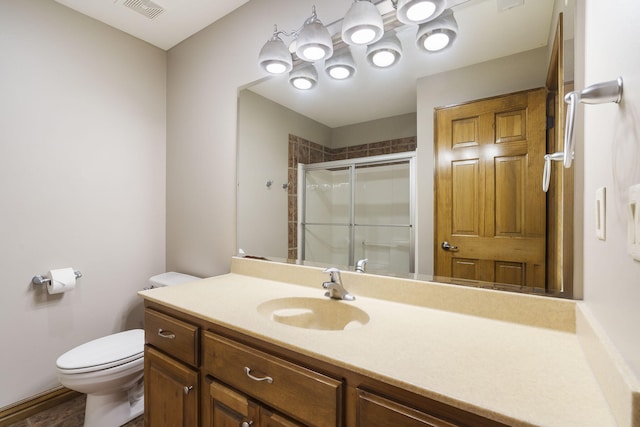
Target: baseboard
x: 25, y: 408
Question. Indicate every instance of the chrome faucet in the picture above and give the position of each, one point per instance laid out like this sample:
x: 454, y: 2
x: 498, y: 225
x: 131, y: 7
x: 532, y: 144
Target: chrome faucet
x: 334, y: 286
x: 360, y: 265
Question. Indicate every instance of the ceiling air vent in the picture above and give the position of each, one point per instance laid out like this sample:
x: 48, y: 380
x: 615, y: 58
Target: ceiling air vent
x: 145, y: 7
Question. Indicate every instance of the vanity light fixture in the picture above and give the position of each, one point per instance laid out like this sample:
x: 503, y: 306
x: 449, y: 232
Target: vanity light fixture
x: 386, y: 52
x: 437, y: 35
x: 419, y: 11
x: 313, y: 42
x: 341, y: 65
x: 275, y: 57
x: 304, y: 76
x: 362, y: 25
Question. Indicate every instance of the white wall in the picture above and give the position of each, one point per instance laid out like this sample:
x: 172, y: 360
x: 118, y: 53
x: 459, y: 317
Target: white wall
x: 396, y: 127
x: 263, y: 135
x: 82, y: 170
x: 204, y: 74
x: 611, y: 151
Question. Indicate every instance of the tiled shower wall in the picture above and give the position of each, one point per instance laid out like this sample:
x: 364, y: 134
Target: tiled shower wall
x: 307, y: 152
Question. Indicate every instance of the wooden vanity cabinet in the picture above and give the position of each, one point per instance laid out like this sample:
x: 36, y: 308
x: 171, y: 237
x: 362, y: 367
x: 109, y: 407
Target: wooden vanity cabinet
x: 171, y: 376
x: 201, y: 374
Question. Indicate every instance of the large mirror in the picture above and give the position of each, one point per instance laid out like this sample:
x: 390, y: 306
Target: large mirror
x: 502, y: 47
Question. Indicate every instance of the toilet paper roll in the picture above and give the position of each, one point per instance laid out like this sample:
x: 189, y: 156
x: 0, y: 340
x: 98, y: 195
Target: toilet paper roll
x: 62, y: 280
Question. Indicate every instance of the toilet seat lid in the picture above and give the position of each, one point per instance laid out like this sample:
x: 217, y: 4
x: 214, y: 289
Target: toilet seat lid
x: 105, y: 352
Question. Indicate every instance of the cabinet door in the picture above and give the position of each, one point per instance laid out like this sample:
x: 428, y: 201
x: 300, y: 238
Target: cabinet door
x: 377, y: 411
x: 170, y: 391
x: 224, y: 407
x: 272, y: 419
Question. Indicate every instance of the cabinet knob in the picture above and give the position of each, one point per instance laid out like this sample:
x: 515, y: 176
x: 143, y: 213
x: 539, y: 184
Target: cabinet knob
x: 246, y: 424
x: 187, y: 389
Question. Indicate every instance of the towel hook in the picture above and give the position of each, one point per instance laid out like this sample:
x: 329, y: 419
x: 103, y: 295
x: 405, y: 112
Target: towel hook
x: 599, y: 93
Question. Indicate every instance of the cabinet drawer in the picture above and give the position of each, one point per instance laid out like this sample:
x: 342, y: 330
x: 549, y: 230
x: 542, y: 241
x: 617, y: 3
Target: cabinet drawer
x: 376, y: 410
x: 173, y: 336
x: 303, y: 394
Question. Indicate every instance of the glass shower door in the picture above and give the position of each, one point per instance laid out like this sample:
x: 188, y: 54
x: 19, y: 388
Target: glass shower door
x: 358, y: 209
x: 383, y: 218
x: 327, y: 215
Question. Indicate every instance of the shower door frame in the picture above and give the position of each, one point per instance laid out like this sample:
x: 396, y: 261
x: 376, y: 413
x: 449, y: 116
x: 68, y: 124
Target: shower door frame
x: 351, y: 164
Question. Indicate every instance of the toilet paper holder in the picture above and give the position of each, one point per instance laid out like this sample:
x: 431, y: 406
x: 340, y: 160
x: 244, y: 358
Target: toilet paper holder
x: 41, y: 280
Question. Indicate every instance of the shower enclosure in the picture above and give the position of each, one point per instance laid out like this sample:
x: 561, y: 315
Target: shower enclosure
x: 358, y: 209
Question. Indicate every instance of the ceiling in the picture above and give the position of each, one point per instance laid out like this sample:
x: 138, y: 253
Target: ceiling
x: 180, y: 19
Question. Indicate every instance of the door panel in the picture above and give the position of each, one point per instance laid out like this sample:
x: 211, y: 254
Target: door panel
x: 511, y: 126
x: 465, y: 197
x: 489, y: 204
x: 510, y: 173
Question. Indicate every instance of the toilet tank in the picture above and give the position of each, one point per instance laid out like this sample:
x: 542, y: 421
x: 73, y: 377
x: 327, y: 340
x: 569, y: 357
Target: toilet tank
x: 170, y: 278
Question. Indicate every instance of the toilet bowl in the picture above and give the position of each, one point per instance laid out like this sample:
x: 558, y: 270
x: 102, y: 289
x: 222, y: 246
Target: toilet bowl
x: 109, y: 370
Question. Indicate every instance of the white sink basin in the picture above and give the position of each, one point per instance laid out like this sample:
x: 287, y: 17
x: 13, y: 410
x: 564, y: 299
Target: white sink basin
x: 314, y: 313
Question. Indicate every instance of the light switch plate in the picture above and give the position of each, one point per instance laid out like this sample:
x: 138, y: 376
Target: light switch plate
x: 601, y: 213
x: 633, y: 225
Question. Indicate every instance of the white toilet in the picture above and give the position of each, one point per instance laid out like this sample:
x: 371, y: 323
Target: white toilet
x: 109, y: 370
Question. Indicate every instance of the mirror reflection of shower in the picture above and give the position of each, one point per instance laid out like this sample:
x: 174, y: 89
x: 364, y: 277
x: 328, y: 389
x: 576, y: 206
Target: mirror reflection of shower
x: 357, y: 209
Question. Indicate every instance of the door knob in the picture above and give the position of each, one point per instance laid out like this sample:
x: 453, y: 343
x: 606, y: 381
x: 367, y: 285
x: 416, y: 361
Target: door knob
x: 449, y: 247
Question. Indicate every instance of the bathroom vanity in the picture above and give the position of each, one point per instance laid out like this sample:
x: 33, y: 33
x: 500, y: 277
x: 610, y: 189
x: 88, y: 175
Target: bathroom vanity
x: 263, y: 346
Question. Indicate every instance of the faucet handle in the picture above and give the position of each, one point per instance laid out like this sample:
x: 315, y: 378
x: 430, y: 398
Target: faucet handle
x: 334, y: 274
x: 360, y: 265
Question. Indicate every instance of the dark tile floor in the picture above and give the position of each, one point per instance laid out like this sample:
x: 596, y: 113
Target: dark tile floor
x: 67, y: 414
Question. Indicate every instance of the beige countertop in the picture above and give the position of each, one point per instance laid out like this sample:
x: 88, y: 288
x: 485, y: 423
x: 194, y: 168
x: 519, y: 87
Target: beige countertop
x: 503, y: 370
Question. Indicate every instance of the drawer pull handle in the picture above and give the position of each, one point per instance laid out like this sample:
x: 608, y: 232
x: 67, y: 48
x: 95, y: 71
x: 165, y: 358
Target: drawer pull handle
x: 187, y: 389
x: 247, y: 371
x: 246, y: 424
x: 166, y: 334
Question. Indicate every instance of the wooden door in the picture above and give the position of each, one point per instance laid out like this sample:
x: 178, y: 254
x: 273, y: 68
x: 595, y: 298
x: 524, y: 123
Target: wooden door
x: 170, y: 391
x: 560, y: 194
x: 490, y: 206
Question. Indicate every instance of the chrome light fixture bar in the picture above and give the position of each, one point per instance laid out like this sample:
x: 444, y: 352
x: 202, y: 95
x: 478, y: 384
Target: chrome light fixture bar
x: 362, y: 25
